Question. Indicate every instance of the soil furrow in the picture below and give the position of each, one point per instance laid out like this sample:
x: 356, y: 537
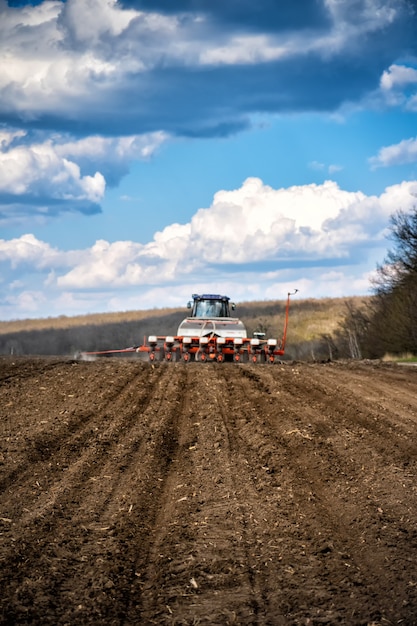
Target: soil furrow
x: 87, y: 430
x: 79, y: 492
x: 359, y: 527
x: 22, y: 368
x: 372, y: 412
x: 207, y: 493
x: 198, y: 545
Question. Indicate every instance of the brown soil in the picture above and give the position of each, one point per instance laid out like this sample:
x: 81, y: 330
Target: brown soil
x: 207, y: 494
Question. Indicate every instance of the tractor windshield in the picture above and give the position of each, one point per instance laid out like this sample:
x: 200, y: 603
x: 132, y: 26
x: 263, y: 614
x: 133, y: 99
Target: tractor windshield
x: 210, y: 308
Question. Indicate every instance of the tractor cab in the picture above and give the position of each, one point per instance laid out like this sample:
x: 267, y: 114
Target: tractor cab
x: 210, y: 317
x: 209, y: 306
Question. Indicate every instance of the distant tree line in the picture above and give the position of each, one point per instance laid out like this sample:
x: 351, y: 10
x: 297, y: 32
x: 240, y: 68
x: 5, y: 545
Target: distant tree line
x: 388, y: 325
x: 86, y: 338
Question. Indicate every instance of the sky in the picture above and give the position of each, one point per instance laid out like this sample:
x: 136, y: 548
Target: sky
x: 152, y: 149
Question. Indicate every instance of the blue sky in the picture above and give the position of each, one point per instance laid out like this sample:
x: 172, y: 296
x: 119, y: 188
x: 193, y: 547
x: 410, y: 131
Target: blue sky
x: 152, y: 149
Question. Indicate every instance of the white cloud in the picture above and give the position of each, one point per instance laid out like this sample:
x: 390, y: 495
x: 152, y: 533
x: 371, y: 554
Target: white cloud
x: 7, y: 136
x: 354, y: 19
x: 15, y: 22
x: 39, y: 170
x: 70, y: 54
x: 402, y: 196
x: 396, y: 154
x: 249, y: 49
x: 348, y: 25
x: 89, y: 21
x: 61, y: 174
x: 254, y: 223
x: 257, y: 222
x: 57, y: 54
x: 30, y: 301
x: 245, y: 286
x: 97, y: 65
x: 248, y: 243
x: 398, y: 76
x: 362, y: 16
x: 112, y: 149
x: 316, y: 165
x: 27, y: 250
x: 332, y: 169
x: 398, y: 85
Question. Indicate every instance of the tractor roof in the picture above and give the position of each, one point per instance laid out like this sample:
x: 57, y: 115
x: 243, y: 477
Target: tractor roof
x: 209, y: 296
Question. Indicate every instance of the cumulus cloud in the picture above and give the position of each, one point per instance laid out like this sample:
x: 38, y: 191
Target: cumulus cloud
x: 398, y: 86
x: 38, y: 169
x: 255, y: 230
x: 121, y: 148
x: 105, y: 50
x: 250, y: 243
x: 252, y: 224
x: 112, y: 155
x: 44, y: 177
x: 397, y: 154
x: 398, y: 76
x: 28, y: 251
x: 87, y: 81
x: 36, y: 179
x: 87, y: 88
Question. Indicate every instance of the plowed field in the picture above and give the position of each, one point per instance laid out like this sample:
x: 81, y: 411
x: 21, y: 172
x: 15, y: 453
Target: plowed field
x: 207, y: 494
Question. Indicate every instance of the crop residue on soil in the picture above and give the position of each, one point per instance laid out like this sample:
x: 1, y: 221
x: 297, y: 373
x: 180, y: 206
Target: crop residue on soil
x: 207, y: 494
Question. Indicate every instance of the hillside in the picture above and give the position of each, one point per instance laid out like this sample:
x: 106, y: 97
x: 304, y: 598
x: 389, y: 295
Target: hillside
x: 310, y: 320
